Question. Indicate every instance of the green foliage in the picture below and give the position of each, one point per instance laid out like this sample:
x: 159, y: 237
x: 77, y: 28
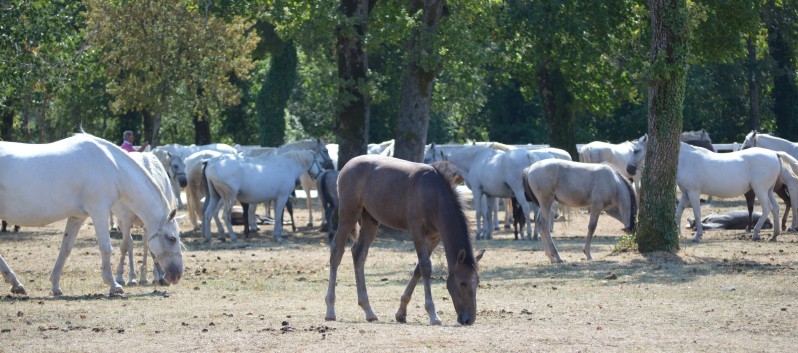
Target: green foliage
x: 168, y: 67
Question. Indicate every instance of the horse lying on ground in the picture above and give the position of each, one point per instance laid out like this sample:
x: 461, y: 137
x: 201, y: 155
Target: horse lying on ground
x: 413, y: 196
x: 729, y: 220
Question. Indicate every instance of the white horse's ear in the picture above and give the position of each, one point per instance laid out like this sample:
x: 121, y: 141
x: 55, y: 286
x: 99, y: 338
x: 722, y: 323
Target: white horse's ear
x: 172, y: 214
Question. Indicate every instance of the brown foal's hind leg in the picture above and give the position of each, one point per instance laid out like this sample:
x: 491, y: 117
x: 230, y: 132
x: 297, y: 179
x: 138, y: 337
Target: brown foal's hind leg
x: 368, y: 231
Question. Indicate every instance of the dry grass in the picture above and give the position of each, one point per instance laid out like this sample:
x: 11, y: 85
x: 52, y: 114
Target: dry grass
x: 724, y: 294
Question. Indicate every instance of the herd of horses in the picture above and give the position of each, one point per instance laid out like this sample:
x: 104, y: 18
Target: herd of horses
x: 98, y: 180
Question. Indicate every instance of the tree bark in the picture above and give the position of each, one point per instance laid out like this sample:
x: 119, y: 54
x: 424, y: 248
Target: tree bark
x: 753, y: 85
x: 557, y: 109
x: 352, y: 123
x: 7, y: 123
x: 418, y: 83
x: 658, y: 229
x: 202, y: 130
x: 152, y: 128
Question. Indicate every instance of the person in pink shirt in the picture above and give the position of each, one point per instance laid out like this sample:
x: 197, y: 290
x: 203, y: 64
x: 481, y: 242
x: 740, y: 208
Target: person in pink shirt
x: 127, y: 143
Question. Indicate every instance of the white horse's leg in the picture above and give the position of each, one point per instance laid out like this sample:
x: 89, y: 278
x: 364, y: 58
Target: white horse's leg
x: 489, y: 211
x: 126, y: 249
x: 209, y: 207
x: 252, y: 217
x: 495, y: 213
x: 695, y: 203
x: 70, y: 233
x: 591, y: 228
x: 11, y: 278
x: 228, y: 221
x: 104, y: 240
x: 508, y: 213
x: 769, y: 205
x: 307, y: 183
x: 679, y: 209
x: 279, y: 205
x: 194, y: 211
x: 548, y: 244
x: 176, y: 190
x: 478, y: 202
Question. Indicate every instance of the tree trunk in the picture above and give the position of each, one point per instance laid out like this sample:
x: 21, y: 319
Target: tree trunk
x: 753, y: 85
x: 152, y: 127
x: 785, y: 92
x: 275, y: 92
x: 7, y: 123
x: 418, y: 83
x: 202, y: 130
x: 352, y: 124
x: 557, y: 109
x: 658, y: 229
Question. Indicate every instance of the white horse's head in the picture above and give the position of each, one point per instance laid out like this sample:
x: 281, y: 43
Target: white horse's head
x: 177, y: 170
x: 638, y: 158
x: 750, y: 140
x: 166, y: 247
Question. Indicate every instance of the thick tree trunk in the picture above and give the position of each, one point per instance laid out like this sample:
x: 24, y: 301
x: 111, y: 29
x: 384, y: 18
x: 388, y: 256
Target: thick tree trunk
x: 785, y: 92
x: 352, y: 125
x: 658, y: 229
x: 557, y: 109
x: 202, y: 130
x: 417, y: 83
x: 753, y: 85
x: 7, y: 124
x: 152, y: 127
x: 275, y: 92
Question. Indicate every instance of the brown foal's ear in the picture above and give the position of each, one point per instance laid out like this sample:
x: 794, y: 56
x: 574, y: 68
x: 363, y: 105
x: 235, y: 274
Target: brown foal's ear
x: 479, y: 256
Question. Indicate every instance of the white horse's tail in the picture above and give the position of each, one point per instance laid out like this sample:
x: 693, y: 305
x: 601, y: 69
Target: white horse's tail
x: 791, y: 173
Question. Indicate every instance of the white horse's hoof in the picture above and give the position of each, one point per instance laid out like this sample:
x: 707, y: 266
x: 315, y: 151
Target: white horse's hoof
x: 56, y: 292
x: 132, y: 282
x: 18, y: 289
x: 434, y: 321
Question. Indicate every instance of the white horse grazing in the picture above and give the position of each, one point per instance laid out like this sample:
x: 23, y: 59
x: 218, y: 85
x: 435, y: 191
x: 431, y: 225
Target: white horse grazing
x: 94, y: 175
x: 617, y: 156
x: 253, y: 181
x: 729, y: 175
x: 574, y: 184
x: 127, y: 218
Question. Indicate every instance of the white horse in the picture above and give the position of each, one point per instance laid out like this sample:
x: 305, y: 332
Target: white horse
x: 617, y: 156
x: 757, y: 139
x: 307, y: 182
x: 173, y: 156
x: 493, y: 173
x: 729, y: 175
x: 127, y: 218
x: 93, y: 175
x: 253, y: 181
x: 598, y: 187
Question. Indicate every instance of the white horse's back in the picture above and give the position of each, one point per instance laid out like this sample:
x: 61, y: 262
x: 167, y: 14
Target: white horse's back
x: 55, y: 179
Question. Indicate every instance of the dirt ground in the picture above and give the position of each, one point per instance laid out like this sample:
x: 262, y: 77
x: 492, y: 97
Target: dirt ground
x: 726, y: 293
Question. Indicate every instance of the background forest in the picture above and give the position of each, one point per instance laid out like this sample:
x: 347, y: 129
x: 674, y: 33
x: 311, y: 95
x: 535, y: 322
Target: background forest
x: 264, y: 72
